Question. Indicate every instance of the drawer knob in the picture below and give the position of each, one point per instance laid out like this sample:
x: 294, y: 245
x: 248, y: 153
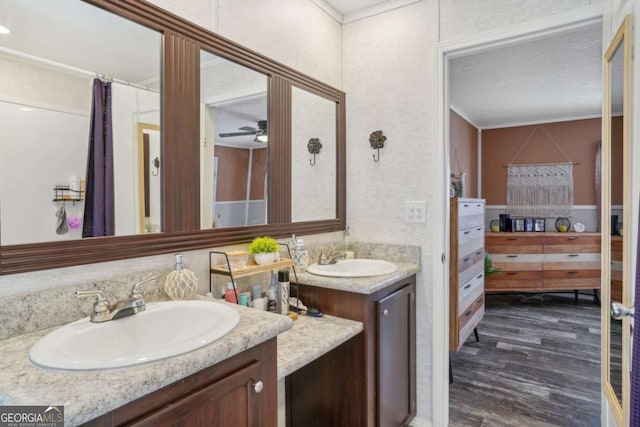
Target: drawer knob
x: 573, y: 255
x: 512, y: 273
x: 467, y: 232
x: 467, y: 286
x: 468, y: 313
x: 572, y: 272
x: 258, y: 386
x: 385, y: 312
x: 466, y: 259
x: 572, y: 238
x: 512, y: 238
x: 479, y: 276
x: 512, y: 256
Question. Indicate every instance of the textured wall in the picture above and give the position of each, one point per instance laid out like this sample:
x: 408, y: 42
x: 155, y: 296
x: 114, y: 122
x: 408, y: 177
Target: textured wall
x: 460, y: 19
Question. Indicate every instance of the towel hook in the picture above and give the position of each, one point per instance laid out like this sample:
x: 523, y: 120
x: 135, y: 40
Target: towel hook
x: 377, y: 139
x: 156, y: 164
x: 314, y: 146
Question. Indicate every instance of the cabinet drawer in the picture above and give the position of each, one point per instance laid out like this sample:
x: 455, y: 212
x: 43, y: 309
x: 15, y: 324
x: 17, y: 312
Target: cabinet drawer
x: 471, y: 221
x: 468, y: 314
x: 468, y: 208
x: 517, y: 262
x: 513, y: 244
x: 571, y: 279
x: 470, y: 259
x: 472, y: 317
x: 476, y: 270
x: 469, y: 234
x: 512, y: 280
x: 571, y: 244
x: 470, y: 292
x: 573, y: 261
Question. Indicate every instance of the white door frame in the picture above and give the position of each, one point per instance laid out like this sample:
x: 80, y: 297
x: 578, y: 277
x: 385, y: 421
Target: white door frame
x: 445, y: 51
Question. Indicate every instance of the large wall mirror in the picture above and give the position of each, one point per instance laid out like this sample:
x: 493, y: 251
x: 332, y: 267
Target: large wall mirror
x: 48, y: 63
x: 615, y: 214
x: 203, y: 151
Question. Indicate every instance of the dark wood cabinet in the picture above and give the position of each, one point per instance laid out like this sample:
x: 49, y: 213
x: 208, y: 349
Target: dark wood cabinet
x: 239, y: 391
x: 371, y: 379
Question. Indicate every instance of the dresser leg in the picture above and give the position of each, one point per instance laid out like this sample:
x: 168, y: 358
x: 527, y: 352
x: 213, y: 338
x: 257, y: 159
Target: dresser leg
x: 475, y: 332
x: 575, y: 292
x: 450, y: 371
x: 596, y: 297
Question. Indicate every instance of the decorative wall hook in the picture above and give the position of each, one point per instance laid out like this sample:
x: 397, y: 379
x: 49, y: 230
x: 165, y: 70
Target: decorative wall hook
x: 314, y: 147
x: 377, y: 139
x: 156, y: 164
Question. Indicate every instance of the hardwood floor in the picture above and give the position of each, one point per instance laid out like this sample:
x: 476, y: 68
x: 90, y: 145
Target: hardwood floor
x: 537, y: 364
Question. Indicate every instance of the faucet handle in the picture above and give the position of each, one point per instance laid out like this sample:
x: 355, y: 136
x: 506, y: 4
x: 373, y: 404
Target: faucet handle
x: 135, y: 293
x: 101, y: 306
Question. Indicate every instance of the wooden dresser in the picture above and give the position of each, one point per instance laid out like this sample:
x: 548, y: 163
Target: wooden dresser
x: 466, y: 269
x: 530, y: 262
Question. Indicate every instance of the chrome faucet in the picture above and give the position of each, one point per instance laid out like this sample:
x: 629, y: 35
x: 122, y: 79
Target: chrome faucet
x: 331, y: 259
x: 102, y: 310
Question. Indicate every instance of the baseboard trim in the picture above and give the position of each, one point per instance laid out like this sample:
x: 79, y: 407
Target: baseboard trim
x: 419, y: 422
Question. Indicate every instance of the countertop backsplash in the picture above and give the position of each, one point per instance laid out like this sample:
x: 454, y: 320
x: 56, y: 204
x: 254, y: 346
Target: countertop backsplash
x: 51, y: 302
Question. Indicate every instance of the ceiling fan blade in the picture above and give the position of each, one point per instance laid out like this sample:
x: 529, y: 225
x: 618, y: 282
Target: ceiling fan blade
x: 248, y: 129
x: 225, y: 135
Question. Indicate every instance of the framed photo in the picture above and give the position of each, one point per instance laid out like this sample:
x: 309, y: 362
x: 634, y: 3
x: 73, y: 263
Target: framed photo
x: 538, y: 224
x: 518, y: 224
x: 528, y: 224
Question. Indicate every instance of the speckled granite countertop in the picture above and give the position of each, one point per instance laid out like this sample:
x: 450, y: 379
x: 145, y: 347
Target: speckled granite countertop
x: 310, y: 338
x: 361, y: 285
x: 88, y: 394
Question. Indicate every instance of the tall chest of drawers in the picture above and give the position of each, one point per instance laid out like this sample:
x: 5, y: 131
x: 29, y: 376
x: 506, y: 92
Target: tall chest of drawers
x: 544, y: 261
x: 466, y: 269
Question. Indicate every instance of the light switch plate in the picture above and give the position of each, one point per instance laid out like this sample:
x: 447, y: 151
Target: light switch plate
x: 415, y: 211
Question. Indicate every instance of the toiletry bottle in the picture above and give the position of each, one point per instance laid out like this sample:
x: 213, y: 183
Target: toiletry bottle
x: 272, y: 295
x: 230, y: 294
x: 181, y: 283
x: 348, y: 249
x: 301, y: 258
x: 283, y: 291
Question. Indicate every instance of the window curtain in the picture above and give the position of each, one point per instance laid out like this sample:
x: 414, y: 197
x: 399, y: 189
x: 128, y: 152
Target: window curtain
x: 99, y: 198
x: 543, y: 191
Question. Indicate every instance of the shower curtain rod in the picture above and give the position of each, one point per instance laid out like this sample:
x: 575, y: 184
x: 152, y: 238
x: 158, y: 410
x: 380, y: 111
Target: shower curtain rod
x: 71, y: 69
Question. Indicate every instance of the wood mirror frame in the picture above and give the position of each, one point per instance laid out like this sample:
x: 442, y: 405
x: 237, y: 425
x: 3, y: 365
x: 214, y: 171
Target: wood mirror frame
x: 622, y: 44
x: 181, y: 46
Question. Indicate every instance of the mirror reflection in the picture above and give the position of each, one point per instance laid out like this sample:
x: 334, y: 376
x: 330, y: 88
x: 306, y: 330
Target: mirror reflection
x: 616, y: 100
x: 235, y: 136
x: 49, y: 77
x: 313, y: 156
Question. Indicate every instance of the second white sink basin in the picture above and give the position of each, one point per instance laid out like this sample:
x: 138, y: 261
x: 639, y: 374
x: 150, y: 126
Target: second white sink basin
x: 163, y: 330
x: 354, y: 268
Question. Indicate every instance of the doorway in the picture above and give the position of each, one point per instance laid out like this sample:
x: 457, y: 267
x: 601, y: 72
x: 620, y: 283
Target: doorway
x: 445, y: 54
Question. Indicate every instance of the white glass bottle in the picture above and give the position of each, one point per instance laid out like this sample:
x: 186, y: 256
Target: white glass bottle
x: 301, y: 256
x: 283, y: 291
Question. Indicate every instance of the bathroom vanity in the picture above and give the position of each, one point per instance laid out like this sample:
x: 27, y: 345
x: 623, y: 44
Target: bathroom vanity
x: 369, y: 380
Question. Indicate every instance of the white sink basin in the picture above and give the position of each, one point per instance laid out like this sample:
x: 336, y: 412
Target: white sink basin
x: 163, y: 330
x: 354, y: 268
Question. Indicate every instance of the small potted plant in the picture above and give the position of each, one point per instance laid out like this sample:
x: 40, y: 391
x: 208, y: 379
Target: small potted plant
x: 265, y: 250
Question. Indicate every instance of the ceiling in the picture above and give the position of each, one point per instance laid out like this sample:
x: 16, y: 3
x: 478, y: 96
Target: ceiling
x: 551, y: 78
x: 349, y: 6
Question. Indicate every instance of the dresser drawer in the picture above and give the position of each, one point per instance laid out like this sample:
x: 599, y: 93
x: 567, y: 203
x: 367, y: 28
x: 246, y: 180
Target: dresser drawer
x: 517, y: 262
x: 571, y: 261
x: 469, y: 234
x: 513, y: 280
x: 572, y: 244
x: 466, y: 261
x: 468, y: 208
x: 571, y: 279
x: 475, y: 271
x: 465, y: 317
x: 469, y: 292
x: 470, y: 248
x: 513, y: 244
x: 470, y: 221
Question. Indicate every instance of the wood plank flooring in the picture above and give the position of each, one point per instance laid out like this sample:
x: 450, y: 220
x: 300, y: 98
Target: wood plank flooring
x: 537, y: 364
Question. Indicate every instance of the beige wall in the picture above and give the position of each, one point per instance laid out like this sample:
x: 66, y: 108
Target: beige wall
x: 463, y: 151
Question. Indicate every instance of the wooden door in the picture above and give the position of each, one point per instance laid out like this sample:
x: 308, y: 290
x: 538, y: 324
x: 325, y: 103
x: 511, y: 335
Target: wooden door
x: 232, y: 401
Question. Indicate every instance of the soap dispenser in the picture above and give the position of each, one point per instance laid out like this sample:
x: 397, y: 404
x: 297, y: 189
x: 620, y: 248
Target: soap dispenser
x: 181, y: 283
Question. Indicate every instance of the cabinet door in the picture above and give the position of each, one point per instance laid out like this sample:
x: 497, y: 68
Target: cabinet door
x: 396, y: 363
x: 232, y: 401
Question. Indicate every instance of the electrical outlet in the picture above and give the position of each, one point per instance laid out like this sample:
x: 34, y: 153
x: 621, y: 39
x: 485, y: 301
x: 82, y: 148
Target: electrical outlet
x: 415, y: 211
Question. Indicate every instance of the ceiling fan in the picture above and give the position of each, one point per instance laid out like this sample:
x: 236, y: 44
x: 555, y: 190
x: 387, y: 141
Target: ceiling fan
x: 260, y: 132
